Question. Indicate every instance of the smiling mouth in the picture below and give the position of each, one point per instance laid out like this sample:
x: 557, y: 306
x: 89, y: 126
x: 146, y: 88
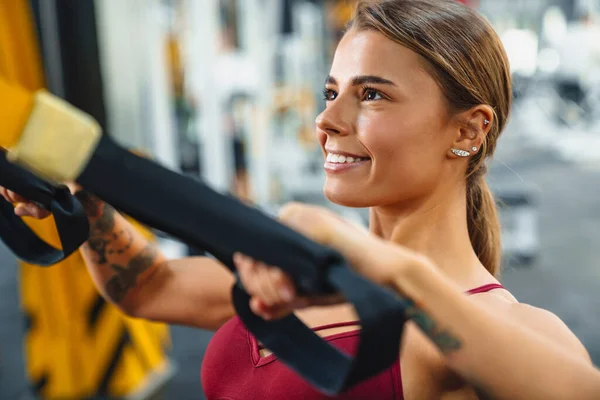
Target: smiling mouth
x: 334, y: 158
x: 337, y: 163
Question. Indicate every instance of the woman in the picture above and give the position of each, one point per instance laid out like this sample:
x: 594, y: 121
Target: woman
x: 418, y: 93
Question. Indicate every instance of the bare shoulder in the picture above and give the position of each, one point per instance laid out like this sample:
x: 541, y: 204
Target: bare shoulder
x: 548, y: 324
x: 542, y: 321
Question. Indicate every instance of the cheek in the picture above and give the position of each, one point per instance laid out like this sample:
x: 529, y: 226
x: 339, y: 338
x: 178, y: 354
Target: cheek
x: 405, y: 150
x: 393, y: 140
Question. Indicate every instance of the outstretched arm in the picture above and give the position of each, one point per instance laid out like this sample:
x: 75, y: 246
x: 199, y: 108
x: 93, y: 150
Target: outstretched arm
x: 132, y: 273
x: 506, y: 351
x: 518, y: 352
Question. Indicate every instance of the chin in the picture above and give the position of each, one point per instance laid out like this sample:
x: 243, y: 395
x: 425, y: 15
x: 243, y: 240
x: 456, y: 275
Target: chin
x: 347, y: 198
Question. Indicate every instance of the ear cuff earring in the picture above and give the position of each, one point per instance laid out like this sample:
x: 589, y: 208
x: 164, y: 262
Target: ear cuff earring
x: 460, y: 153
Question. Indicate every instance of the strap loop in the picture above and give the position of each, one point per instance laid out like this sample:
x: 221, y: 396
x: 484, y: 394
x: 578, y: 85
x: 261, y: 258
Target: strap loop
x: 71, y: 223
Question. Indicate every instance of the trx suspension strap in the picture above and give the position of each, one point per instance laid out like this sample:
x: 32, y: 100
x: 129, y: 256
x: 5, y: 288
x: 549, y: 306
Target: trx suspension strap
x: 16, y: 106
x: 59, y: 143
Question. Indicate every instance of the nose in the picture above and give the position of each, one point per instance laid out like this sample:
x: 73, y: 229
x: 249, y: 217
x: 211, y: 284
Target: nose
x: 334, y: 120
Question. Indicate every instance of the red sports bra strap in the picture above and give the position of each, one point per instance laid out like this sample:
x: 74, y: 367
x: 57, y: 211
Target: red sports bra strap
x: 480, y: 289
x: 336, y: 325
x: 485, y: 288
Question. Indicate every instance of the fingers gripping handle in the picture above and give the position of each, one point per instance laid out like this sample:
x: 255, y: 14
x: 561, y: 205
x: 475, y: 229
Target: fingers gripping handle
x: 71, y: 223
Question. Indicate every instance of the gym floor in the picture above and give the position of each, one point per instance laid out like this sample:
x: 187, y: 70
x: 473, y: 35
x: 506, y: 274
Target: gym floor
x: 564, y: 279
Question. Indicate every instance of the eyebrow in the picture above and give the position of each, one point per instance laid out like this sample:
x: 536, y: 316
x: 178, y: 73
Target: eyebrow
x: 362, y: 79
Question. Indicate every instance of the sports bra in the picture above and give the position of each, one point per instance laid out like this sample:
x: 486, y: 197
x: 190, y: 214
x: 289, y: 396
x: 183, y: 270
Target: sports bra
x: 233, y: 368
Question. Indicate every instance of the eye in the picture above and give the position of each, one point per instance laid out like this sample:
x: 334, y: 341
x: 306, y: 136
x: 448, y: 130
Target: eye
x: 329, y: 95
x: 370, y: 94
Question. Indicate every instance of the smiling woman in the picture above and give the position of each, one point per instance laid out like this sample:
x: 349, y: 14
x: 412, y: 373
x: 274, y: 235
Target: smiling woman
x: 417, y: 95
x: 418, y: 92
x: 444, y: 91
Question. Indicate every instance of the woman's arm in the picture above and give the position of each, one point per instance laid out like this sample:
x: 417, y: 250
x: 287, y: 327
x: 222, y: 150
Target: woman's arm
x: 509, y: 354
x: 506, y: 351
x: 133, y: 274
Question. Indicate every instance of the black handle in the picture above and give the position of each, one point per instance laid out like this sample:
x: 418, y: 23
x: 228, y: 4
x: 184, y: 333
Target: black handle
x: 71, y: 223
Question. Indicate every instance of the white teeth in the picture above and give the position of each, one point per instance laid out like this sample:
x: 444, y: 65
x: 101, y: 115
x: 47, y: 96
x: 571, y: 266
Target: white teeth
x: 340, y: 159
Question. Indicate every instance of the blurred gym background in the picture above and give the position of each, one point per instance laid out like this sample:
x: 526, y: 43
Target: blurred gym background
x: 228, y: 90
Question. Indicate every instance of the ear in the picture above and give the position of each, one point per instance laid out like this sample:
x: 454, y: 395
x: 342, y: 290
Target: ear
x: 473, y: 126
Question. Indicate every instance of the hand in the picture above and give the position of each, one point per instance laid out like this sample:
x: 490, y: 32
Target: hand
x: 26, y: 208
x: 272, y: 292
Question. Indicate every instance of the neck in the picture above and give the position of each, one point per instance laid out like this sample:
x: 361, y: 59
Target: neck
x: 436, y: 228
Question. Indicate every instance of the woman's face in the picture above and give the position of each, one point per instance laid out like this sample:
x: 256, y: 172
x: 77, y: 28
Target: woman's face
x: 385, y: 130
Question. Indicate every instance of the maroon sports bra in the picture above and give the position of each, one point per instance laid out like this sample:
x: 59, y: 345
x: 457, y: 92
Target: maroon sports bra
x: 234, y: 370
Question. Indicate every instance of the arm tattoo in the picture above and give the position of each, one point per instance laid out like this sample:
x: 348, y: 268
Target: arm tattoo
x: 126, y: 276
x: 92, y: 205
x: 106, y: 241
x: 105, y: 245
x: 444, y: 340
x: 102, y: 224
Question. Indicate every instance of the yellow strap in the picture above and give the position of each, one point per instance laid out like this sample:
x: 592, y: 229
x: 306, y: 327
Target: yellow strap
x: 44, y: 133
x: 16, y: 105
x: 40, y: 131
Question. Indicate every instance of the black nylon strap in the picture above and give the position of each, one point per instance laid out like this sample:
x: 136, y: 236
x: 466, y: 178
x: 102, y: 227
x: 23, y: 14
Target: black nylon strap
x: 194, y: 213
x: 190, y: 210
x: 71, y: 223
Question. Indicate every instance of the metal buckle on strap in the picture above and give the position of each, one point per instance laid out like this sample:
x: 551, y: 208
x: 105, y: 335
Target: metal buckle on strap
x: 57, y: 141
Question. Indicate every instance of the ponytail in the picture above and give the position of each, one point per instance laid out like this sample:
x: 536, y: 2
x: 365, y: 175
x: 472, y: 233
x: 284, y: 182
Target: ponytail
x: 483, y: 223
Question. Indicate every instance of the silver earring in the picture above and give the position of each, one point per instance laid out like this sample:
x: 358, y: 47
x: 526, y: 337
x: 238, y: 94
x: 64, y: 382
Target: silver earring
x: 460, y: 153
x: 486, y: 122
x: 474, y: 148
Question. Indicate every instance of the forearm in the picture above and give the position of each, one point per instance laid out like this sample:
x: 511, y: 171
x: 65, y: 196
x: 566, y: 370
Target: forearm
x: 116, y: 254
x: 493, y: 353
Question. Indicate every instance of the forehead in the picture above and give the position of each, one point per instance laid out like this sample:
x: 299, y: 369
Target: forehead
x: 371, y: 53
